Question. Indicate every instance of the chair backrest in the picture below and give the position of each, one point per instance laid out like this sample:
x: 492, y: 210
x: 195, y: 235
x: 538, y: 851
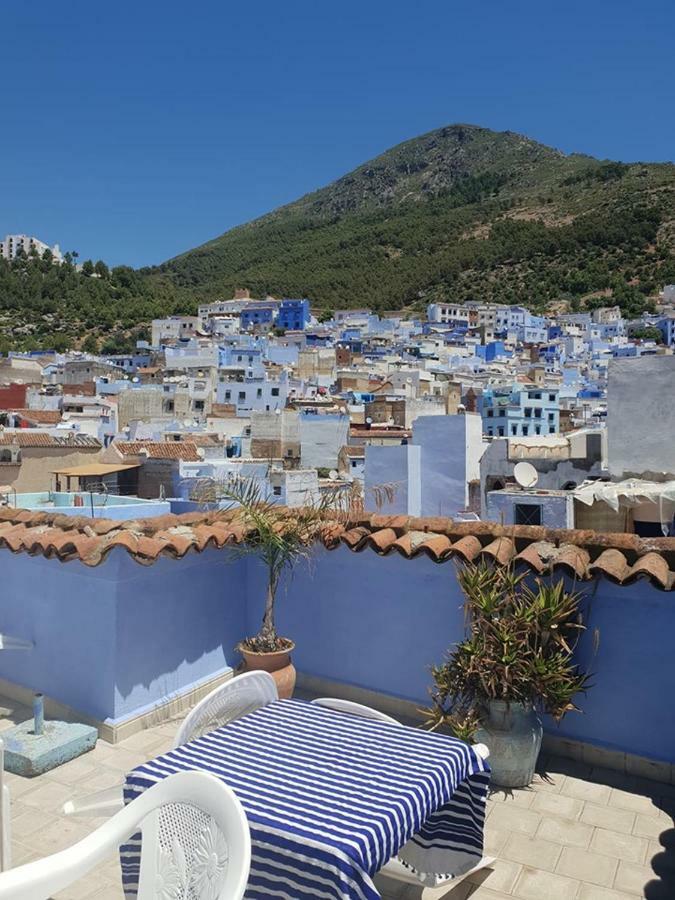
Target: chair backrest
x: 196, y: 841
x: 236, y: 697
x: 354, y: 709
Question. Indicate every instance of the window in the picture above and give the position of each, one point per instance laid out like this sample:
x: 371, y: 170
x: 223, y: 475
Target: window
x: 490, y: 433
x: 514, y: 429
x: 537, y: 429
x: 537, y: 414
x: 551, y: 397
x: 527, y: 514
x: 275, y: 392
x: 276, y: 490
x: 526, y: 430
x: 242, y: 395
x: 500, y: 431
x: 551, y: 429
x: 528, y: 412
x: 490, y: 413
x: 551, y: 417
x: 258, y: 393
x: 228, y: 394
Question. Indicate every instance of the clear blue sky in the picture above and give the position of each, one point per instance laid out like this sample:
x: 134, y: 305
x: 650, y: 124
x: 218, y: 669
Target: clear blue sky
x: 134, y: 131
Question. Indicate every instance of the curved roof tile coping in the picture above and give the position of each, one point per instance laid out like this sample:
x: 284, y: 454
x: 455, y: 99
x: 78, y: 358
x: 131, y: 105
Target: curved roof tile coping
x: 623, y: 558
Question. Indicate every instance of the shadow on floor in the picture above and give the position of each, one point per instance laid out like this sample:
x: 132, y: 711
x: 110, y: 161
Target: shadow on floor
x: 663, y: 865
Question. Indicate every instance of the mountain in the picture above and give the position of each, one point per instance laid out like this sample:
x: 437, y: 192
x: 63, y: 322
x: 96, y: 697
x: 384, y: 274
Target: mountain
x: 459, y: 213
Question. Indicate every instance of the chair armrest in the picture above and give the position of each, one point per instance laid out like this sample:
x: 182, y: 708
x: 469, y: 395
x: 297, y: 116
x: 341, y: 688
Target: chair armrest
x: 100, y: 803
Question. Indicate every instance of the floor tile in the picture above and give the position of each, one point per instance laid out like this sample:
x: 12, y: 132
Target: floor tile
x: 534, y: 884
x: 501, y: 876
x: 548, y: 784
x: 610, y: 817
x: 595, y: 892
x: 632, y: 878
x: 622, y: 846
x: 648, y: 827
x: 558, y: 805
x: 564, y: 831
x: 584, y: 865
x: 637, y: 803
x: 535, y: 852
x: 512, y: 818
x: 587, y: 791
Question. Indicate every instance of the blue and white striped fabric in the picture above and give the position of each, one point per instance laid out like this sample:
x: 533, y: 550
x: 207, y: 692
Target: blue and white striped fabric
x: 330, y: 798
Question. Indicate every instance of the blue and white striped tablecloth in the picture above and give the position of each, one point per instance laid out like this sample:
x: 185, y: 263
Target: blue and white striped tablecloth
x: 330, y: 798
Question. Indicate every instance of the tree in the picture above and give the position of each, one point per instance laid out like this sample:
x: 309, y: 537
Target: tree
x: 90, y: 344
x: 101, y: 269
x: 648, y: 333
x: 87, y: 267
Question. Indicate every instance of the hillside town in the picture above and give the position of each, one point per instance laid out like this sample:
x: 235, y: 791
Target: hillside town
x: 476, y: 412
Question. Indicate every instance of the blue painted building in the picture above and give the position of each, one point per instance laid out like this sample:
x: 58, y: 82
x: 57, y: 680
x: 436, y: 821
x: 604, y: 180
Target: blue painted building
x: 256, y: 316
x: 667, y: 328
x: 520, y: 411
x: 293, y: 315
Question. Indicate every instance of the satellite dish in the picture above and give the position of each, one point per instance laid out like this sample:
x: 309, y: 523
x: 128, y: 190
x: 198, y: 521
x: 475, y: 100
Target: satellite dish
x: 369, y: 421
x: 333, y: 474
x: 525, y: 474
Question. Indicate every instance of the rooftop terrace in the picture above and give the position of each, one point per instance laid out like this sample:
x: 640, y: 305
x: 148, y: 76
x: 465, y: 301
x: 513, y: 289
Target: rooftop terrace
x: 578, y: 833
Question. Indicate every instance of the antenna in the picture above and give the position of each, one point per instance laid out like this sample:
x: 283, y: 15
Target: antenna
x: 525, y: 474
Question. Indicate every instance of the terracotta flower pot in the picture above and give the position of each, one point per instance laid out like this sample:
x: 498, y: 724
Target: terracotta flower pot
x: 278, y: 664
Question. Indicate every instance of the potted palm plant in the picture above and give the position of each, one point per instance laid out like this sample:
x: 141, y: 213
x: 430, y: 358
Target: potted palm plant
x: 514, y: 664
x: 280, y: 538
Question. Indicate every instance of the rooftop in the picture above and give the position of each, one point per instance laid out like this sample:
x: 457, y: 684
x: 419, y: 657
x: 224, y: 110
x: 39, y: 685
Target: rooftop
x: 28, y: 437
x: 623, y: 558
x: 185, y: 450
x: 577, y: 833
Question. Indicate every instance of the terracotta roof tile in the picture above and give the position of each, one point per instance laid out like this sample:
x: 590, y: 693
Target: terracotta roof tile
x: 623, y: 558
x: 39, y: 416
x: 184, y: 450
x: 29, y: 437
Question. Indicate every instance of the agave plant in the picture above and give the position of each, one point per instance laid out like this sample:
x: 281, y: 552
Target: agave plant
x: 519, y: 647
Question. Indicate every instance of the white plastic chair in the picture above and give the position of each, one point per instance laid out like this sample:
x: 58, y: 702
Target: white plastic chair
x: 196, y: 840
x: 355, y: 709
x: 231, y: 700
x: 395, y: 869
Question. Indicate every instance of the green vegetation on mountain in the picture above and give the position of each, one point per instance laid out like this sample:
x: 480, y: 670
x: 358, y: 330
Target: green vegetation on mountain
x: 461, y: 213
x: 43, y: 305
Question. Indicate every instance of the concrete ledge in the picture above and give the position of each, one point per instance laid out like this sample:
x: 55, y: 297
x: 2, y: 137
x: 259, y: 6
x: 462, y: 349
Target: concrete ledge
x: 406, y: 710
x: 114, y: 731
x: 409, y: 712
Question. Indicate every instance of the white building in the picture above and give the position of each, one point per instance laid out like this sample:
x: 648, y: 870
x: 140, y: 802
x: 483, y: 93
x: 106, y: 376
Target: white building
x: 13, y: 244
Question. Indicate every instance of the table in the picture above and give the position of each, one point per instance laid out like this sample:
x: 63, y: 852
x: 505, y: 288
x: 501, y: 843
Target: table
x: 330, y: 798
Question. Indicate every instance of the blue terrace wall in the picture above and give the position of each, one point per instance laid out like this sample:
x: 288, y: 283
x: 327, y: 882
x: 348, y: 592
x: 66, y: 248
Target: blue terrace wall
x: 381, y: 622
x: 117, y: 639
x: 177, y: 624
x: 114, y: 640
x: 69, y: 611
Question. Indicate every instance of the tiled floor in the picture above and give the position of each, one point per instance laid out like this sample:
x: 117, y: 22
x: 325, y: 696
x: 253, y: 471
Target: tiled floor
x: 577, y: 834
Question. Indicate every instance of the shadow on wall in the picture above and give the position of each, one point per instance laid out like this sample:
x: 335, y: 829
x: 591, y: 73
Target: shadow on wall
x: 177, y: 623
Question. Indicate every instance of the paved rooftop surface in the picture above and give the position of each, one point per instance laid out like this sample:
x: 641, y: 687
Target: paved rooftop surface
x: 579, y: 833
